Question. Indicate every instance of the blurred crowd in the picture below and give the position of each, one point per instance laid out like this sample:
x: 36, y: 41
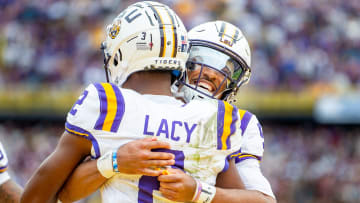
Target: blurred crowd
x: 313, y: 164
x: 296, y: 44
x: 304, y: 163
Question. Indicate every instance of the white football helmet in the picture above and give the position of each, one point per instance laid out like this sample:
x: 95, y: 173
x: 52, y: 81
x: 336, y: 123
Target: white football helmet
x: 222, y: 47
x: 145, y: 36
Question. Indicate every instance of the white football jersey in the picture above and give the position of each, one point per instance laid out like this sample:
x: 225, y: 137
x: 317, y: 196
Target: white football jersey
x: 4, y: 176
x: 202, y: 134
x: 248, y: 158
x: 253, y: 139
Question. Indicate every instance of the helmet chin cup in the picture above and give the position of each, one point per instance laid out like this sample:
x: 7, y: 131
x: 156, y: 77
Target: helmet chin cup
x: 190, y: 92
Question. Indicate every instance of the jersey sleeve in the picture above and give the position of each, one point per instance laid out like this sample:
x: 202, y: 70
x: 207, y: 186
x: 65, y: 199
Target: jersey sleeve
x: 228, y: 134
x: 253, y: 140
x: 84, y: 112
x: 99, y: 108
x: 4, y: 176
x: 252, y: 177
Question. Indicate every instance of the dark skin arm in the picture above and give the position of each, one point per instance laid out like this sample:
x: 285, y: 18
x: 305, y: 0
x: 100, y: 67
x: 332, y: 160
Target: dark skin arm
x: 10, y: 192
x: 179, y: 186
x: 53, y: 172
x: 133, y: 158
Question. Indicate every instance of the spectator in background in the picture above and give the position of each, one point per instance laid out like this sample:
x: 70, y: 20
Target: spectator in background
x: 282, y: 33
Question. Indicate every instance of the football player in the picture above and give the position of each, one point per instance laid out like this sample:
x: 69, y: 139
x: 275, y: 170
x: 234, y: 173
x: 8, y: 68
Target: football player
x: 219, y: 63
x: 145, y: 51
x: 9, y: 190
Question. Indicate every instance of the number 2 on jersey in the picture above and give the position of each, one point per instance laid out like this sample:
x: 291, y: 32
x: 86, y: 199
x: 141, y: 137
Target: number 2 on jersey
x: 79, y: 102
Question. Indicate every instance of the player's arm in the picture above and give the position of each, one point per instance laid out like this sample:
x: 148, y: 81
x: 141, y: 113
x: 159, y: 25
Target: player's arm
x: 134, y: 157
x: 224, y: 193
x: 10, y: 192
x: 248, y: 162
x: 85, y: 180
x: 178, y: 186
x: 52, y: 173
x: 254, y: 180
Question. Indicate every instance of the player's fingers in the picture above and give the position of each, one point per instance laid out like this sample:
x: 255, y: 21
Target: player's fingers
x: 149, y: 139
x: 175, y: 171
x: 171, y: 178
x: 160, y: 155
x: 170, y: 186
x: 157, y: 144
x: 150, y: 172
x: 168, y: 193
x: 158, y: 163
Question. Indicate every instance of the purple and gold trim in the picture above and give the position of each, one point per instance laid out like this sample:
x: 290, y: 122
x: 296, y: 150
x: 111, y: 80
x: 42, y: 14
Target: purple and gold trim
x: 227, y: 117
x: 3, y: 168
x: 175, y: 37
x: 245, y: 117
x: 161, y: 30
x: 241, y: 157
x: 72, y: 129
x: 112, y: 107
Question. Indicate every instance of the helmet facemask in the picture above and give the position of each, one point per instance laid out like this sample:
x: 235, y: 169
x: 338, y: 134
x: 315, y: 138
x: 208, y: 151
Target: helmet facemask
x: 212, y: 72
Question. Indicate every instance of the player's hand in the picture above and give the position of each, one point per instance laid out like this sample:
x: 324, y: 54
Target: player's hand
x: 177, y: 185
x: 136, y: 157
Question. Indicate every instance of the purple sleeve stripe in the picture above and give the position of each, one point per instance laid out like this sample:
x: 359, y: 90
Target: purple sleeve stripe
x: 72, y: 129
x: 3, y: 168
x: 120, y: 109
x: 220, y: 123
x: 226, y: 165
x: 260, y: 130
x: 103, y: 106
x: 245, y: 121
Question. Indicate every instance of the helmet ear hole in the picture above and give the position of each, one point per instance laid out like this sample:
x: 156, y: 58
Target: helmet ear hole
x: 116, y: 62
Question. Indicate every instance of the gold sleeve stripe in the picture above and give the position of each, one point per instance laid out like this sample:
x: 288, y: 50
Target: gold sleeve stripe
x: 111, y: 107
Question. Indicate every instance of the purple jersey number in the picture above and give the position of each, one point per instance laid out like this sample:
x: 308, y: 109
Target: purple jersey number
x: 147, y: 184
x: 79, y: 101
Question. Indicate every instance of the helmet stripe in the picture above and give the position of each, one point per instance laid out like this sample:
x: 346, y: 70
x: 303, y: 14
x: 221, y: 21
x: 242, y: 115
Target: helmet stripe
x: 174, y: 48
x: 151, y: 22
x: 234, y: 38
x: 161, y: 28
x: 222, y: 30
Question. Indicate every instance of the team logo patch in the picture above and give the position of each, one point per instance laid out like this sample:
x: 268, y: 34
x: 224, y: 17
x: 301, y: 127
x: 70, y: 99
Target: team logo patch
x: 183, y: 46
x: 114, y: 29
x: 226, y: 41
